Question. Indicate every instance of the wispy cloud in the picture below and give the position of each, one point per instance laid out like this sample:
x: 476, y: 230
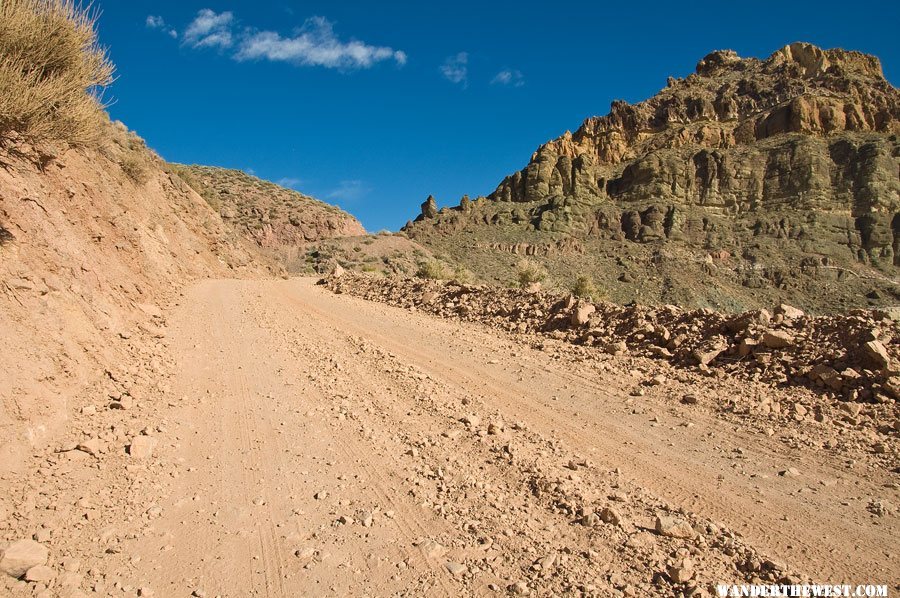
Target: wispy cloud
x: 315, y: 44
x: 157, y: 22
x: 351, y: 190
x: 289, y: 182
x: 456, y: 69
x: 510, y: 77
x: 210, y: 29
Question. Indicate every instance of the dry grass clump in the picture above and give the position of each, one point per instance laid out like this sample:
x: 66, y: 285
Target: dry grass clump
x: 529, y: 272
x: 434, y: 270
x: 135, y: 168
x: 51, y: 72
x: 464, y: 275
x: 585, y: 288
x: 187, y: 176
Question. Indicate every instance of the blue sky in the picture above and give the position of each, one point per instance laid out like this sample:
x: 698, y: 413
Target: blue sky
x: 373, y: 106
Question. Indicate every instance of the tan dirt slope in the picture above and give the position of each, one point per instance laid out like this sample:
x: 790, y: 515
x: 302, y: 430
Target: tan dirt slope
x: 92, y: 245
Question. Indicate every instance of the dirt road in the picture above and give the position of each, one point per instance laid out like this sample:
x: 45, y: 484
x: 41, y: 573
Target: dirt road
x: 308, y: 443
x: 318, y: 444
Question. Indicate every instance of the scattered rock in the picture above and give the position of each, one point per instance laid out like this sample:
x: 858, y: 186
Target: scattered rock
x: 706, y: 354
x: 590, y: 519
x: 681, y: 569
x: 672, y: 527
x: 142, y: 447
x: 92, y: 446
x: 40, y: 573
x: 582, y: 314
x: 877, y: 354
x: 431, y: 549
x: 21, y: 556
x: 472, y: 420
x: 880, y: 508
x: 789, y: 312
x: 456, y: 569
x: 778, y: 339
x: 611, y: 516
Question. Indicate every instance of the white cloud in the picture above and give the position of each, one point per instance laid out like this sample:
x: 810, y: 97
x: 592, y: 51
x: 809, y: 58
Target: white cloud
x: 210, y: 30
x: 315, y: 44
x: 350, y: 191
x: 509, y: 77
x: 289, y: 182
x: 157, y: 22
x: 456, y: 70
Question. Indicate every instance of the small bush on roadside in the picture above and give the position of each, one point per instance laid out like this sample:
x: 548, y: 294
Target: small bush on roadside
x: 529, y: 272
x: 51, y: 71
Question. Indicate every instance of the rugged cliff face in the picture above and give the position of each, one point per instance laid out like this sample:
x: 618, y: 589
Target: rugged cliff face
x: 736, y: 158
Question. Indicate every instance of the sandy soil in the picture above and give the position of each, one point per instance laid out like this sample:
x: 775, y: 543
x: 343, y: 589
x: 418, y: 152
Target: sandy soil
x: 308, y: 443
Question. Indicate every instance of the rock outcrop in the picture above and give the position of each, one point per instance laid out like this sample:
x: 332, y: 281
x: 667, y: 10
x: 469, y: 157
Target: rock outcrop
x: 802, y: 146
x: 806, y: 128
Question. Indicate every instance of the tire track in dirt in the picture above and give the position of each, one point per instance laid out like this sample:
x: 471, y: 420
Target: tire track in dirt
x: 405, y: 519
x: 323, y: 409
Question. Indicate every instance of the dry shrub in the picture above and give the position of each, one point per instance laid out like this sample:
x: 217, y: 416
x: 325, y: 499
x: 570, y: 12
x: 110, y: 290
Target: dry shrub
x: 51, y: 72
x: 463, y: 275
x: 434, y: 270
x: 585, y: 288
x: 135, y: 167
x: 529, y: 272
x: 188, y: 178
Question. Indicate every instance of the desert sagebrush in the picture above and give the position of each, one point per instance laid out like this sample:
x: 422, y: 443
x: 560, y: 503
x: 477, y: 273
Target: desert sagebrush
x: 585, y: 288
x: 136, y: 168
x: 434, y: 270
x: 52, y: 71
x: 529, y: 272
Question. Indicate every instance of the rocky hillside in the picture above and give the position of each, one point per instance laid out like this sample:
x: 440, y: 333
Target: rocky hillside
x: 748, y: 181
x: 280, y: 221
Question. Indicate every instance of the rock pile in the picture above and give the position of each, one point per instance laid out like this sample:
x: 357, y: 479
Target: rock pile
x: 853, y: 356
